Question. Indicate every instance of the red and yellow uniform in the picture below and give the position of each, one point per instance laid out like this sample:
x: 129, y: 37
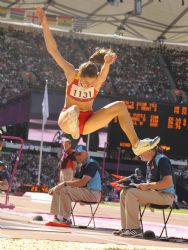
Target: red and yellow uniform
x: 76, y: 91
x: 79, y: 93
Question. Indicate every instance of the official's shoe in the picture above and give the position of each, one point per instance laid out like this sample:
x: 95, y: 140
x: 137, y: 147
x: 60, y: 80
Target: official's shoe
x: 145, y: 145
x: 55, y: 219
x: 119, y: 232
x: 66, y: 221
x: 56, y: 222
x: 132, y: 233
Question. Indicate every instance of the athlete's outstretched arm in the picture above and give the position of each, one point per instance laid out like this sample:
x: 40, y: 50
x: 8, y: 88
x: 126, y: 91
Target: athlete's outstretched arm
x: 109, y: 59
x: 51, y: 46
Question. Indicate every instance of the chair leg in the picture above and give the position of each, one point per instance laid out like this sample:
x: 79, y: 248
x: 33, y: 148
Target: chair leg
x: 93, y: 215
x: 165, y: 217
x: 72, y: 209
x: 141, y: 215
x: 92, y: 218
x: 165, y: 222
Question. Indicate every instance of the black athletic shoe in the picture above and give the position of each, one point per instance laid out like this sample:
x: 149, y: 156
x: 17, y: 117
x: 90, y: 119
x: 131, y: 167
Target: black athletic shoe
x: 132, y: 233
x: 119, y: 232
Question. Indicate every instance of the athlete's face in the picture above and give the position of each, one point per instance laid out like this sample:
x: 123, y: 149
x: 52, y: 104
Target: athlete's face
x: 88, y: 82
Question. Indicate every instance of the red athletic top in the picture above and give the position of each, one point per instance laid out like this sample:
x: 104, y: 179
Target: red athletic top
x: 79, y: 93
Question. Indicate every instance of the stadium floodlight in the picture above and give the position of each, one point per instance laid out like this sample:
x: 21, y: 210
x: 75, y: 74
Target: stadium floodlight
x: 115, y: 2
x: 138, y: 7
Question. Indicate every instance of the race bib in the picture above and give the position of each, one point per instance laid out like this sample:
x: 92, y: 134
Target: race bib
x: 82, y: 93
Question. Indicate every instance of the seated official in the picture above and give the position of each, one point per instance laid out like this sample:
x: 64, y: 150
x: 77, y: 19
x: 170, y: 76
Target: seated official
x: 158, y: 189
x: 4, y: 177
x: 86, y: 188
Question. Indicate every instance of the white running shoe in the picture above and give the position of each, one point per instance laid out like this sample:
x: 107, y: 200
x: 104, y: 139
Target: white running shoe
x: 73, y: 122
x: 145, y: 145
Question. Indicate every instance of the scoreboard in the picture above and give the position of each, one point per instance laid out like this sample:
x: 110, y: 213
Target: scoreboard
x: 23, y: 188
x: 169, y: 121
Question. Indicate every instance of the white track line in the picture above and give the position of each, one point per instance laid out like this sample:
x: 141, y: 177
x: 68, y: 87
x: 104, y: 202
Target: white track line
x: 90, y: 235
x: 4, y: 236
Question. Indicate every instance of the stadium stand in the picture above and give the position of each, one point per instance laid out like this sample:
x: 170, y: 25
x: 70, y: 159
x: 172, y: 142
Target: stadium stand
x: 138, y: 71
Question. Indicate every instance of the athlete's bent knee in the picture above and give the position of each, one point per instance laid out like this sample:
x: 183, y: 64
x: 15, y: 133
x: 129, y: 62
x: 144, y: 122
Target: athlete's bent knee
x: 121, y: 106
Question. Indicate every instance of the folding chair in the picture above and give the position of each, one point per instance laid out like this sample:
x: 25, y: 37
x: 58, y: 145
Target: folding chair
x: 93, y: 208
x: 166, y: 216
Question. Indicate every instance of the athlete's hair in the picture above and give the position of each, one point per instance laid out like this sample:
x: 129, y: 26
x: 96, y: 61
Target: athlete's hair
x: 90, y: 69
x: 98, y: 56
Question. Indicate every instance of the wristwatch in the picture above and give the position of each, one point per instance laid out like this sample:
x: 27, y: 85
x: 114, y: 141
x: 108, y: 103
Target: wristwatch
x: 65, y: 184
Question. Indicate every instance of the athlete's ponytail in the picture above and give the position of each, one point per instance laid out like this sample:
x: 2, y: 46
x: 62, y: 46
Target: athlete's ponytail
x: 90, y: 69
x: 98, y: 56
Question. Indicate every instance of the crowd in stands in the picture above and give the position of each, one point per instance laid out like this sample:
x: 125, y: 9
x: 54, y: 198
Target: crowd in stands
x: 27, y: 172
x: 182, y: 175
x: 137, y: 73
x: 28, y: 168
x: 177, y: 61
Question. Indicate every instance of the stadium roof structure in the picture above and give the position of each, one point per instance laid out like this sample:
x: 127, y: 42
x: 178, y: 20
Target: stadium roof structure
x: 160, y: 20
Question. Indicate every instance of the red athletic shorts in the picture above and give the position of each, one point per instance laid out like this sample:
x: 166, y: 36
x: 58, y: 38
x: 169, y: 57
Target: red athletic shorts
x: 83, y: 117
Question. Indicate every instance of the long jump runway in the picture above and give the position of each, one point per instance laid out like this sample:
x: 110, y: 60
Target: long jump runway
x: 18, y: 223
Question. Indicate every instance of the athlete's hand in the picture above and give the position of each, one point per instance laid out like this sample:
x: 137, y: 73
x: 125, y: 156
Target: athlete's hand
x: 110, y: 58
x: 41, y: 15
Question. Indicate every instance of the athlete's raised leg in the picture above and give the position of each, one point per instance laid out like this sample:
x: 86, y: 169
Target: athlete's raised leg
x: 118, y: 109
x: 103, y: 116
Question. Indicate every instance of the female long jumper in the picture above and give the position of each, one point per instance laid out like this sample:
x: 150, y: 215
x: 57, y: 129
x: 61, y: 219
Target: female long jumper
x: 83, y: 84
